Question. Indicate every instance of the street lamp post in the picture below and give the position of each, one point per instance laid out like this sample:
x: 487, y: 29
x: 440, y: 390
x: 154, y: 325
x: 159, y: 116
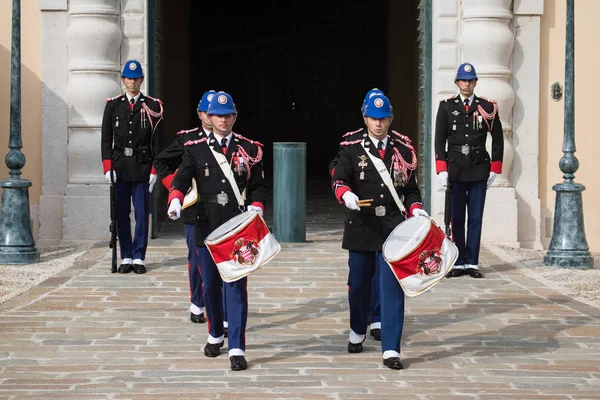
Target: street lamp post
x: 568, y: 246
x: 16, y: 239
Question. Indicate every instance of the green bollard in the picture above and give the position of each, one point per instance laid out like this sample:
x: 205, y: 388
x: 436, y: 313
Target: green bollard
x: 289, y: 191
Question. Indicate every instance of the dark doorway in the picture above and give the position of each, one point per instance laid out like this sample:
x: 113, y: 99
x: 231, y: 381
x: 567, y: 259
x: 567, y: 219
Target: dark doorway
x: 297, y: 70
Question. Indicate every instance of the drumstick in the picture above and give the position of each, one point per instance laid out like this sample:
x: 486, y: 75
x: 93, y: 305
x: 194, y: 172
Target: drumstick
x: 364, y: 202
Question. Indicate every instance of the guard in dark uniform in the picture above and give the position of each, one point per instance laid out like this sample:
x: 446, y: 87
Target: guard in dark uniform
x: 217, y: 204
x: 131, y: 136
x: 462, y: 161
x: 375, y: 313
x: 355, y: 180
x: 166, y: 164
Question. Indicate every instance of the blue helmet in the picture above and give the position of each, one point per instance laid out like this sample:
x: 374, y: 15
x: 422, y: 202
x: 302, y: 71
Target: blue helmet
x: 465, y: 72
x: 132, y: 69
x: 206, y: 98
x: 221, y: 104
x: 378, y: 106
x: 370, y: 93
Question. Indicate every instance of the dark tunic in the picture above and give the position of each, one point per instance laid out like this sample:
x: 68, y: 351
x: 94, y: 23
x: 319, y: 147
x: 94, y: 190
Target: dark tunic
x: 363, y: 230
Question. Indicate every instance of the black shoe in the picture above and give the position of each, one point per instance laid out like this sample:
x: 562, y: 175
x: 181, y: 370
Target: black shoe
x: 225, y: 332
x: 139, y: 269
x: 197, y: 319
x: 213, y: 349
x: 455, y: 273
x: 474, y: 273
x: 125, y: 268
x: 376, y: 333
x: 393, y: 363
x: 238, y: 363
x: 355, y: 347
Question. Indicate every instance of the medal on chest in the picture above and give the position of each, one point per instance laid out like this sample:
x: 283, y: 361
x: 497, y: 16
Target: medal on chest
x: 362, y: 163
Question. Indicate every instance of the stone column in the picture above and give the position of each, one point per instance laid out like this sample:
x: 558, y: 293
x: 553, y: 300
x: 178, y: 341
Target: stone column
x: 487, y: 41
x: 54, y: 120
x: 526, y: 83
x: 93, y: 45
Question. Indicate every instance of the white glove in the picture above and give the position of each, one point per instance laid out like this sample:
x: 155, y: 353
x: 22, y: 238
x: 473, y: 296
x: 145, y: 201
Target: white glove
x: 350, y: 200
x: 491, y: 179
x: 255, y: 208
x: 107, y: 176
x: 174, y: 211
x: 443, y: 178
x: 418, y: 212
x: 152, y: 181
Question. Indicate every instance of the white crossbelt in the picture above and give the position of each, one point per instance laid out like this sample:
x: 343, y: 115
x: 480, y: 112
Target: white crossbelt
x: 226, y: 168
x: 385, y: 175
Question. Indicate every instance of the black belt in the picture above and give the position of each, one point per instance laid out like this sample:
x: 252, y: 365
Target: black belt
x: 221, y: 198
x: 127, y: 151
x: 464, y: 149
x: 379, y: 210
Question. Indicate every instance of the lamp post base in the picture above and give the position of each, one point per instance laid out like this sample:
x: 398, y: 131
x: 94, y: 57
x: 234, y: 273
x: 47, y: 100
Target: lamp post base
x: 16, y: 239
x: 568, y: 247
x: 569, y: 259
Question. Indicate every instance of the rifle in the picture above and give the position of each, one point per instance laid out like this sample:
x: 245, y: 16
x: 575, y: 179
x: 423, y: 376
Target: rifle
x: 113, y: 218
x: 448, y: 210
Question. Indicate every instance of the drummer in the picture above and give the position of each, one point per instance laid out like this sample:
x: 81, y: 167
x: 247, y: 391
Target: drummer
x: 372, y: 214
x: 216, y: 205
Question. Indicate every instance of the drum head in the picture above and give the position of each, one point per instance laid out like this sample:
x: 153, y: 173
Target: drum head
x: 405, y: 238
x: 231, y: 225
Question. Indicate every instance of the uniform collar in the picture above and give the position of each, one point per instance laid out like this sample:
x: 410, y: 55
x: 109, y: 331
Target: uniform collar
x: 219, y: 138
x: 471, y: 99
x: 376, y: 141
x: 136, y: 98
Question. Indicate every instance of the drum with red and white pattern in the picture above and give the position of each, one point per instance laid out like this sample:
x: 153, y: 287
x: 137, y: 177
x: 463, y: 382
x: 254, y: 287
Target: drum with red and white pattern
x: 419, y: 254
x: 241, y: 245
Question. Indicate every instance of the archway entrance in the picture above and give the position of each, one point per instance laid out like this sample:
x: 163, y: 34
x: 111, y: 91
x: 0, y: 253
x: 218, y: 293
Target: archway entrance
x: 297, y: 71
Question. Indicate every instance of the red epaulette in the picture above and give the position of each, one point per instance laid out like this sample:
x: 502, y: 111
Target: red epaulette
x: 193, y: 142
x: 405, y: 140
x: 349, y: 143
x: 449, y: 98
x: 237, y: 135
x: 187, y: 131
x: 486, y: 99
x: 352, y: 133
x: 113, y: 98
x: 152, y: 98
x: 401, y: 136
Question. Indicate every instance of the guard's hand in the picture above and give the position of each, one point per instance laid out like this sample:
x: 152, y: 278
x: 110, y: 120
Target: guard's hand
x: 419, y: 212
x: 107, y: 177
x: 255, y: 208
x: 174, y: 209
x: 443, y: 178
x: 350, y: 200
x: 152, y: 181
x: 491, y: 179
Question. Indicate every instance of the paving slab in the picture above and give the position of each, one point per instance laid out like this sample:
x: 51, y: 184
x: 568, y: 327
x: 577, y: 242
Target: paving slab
x: 88, y: 334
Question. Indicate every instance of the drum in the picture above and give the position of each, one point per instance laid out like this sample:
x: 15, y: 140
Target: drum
x: 241, y: 245
x: 191, y: 197
x: 419, y: 254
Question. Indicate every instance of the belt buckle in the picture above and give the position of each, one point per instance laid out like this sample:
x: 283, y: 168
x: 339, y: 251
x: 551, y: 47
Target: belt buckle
x: 128, y: 151
x: 222, y: 198
x: 465, y: 149
x: 380, y: 211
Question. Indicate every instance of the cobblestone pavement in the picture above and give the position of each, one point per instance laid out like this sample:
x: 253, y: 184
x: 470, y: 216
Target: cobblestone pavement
x: 88, y: 334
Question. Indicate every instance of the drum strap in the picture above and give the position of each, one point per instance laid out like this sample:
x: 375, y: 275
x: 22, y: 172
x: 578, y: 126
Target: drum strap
x: 385, y: 176
x: 226, y: 168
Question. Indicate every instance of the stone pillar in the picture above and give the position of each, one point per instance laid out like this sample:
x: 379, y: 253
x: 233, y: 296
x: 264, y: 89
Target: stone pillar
x: 93, y: 49
x: 526, y: 82
x: 54, y: 120
x: 487, y: 41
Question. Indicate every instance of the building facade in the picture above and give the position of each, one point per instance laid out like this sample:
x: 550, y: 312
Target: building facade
x: 73, y: 51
